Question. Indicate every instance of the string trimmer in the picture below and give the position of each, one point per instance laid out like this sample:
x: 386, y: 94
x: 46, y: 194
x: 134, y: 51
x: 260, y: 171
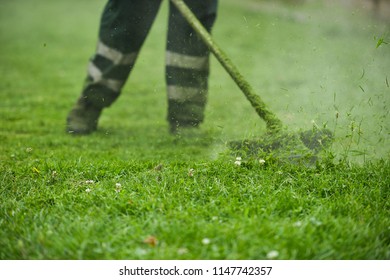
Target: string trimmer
x: 277, y: 136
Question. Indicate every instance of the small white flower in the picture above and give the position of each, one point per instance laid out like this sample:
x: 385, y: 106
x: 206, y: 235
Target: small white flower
x: 29, y: 150
x: 261, y: 161
x: 238, y: 161
x: 272, y: 254
x: 118, y: 187
x: 89, y: 181
x: 206, y: 241
x: 191, y: 172
x: 297, y: 224
x: 87, y: 190
x: 315, y: 222
x: 182, y: 251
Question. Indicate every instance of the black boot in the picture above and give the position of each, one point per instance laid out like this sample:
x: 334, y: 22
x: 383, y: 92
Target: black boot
x: 83, y: 118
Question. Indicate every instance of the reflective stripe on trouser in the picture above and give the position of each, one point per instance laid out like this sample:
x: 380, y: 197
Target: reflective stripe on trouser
x: 107, y: 73
x: 187, y: 64
x: 123, y: 28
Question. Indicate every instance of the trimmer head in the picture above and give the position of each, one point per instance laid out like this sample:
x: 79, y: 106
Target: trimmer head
x: 316, y: 139
x: 293, y: 147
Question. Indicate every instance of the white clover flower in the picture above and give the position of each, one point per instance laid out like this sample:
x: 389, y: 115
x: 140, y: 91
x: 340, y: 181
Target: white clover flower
x: 182, y: 251
x: 90, y: 182
x: 87, y: 190
x: 272, y: 254
x: 118, y: 187
x: 206, y: 241
x: 191, y: 172
x: 238, y: 161
x: 261, y: 161
x: 297, y: 224
x: 315, y: 222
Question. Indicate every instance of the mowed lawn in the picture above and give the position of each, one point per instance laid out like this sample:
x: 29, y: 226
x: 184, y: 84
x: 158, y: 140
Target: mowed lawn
x: 132, y: 191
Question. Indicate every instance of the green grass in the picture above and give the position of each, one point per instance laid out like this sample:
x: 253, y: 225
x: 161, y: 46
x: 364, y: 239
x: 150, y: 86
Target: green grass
x: 309, y: 63
x: 322, y: 213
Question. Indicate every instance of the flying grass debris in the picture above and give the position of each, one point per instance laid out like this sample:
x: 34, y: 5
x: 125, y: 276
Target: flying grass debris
x: 380, y: 42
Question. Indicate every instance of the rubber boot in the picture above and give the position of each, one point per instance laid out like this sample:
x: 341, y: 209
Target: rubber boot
x: 83, y: 118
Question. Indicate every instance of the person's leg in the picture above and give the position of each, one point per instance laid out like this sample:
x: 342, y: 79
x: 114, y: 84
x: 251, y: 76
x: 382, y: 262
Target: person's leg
x: 124, y: 26
x: 187, y: 65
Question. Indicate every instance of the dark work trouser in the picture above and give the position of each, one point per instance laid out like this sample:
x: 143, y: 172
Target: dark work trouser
x: 123, y: 28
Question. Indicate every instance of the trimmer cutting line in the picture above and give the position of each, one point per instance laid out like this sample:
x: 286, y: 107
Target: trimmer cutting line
x: 277, y: 137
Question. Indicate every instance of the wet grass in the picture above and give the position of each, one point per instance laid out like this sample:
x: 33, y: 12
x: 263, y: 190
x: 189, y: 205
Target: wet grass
x: 102, y: 196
